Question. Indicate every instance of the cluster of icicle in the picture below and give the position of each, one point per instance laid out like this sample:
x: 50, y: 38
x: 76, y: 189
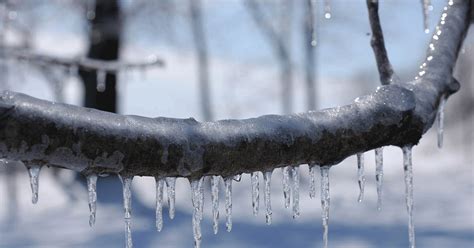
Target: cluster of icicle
x: 291, y: 186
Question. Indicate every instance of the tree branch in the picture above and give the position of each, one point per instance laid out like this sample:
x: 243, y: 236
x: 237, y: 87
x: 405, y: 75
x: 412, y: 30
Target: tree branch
x: 92, y: 141
x: 378, y: 44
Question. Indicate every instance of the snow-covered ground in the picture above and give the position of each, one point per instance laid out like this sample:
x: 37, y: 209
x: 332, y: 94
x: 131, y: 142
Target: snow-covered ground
x: 243, y: 85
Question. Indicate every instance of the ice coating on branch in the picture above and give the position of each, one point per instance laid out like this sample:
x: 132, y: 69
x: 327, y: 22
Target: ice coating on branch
x: 267, y: 177
x: 407, y: 168
x: 101, y: 77
x: 312, y: 180
x: 327, y: 9
x: 215, y: 202
x: 160, y: 184
x: 255, y: 192
x: 379, y: 175
x: 92, y: 192
x: 440, y: 119
x: 360, y: 175
x: 296, y: 191
x: 171, y: 192
x: 286, y: 185
x: 228, y: 203
x: 426, y: 12
x: 33, y: 172
x: 325, y: 202
x: 127, y: 204
x: 197, y: 201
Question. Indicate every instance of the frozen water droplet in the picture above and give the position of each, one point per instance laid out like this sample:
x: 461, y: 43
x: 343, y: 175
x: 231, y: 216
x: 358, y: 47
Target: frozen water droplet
x: 440, y: 120
x: 255, y: 192
x: 196, y: 198
x: 237, y: 178
x: 215, y: 202
x: 171, y: 192
x: 360, y: 175
x: 33, y: 172
x: 312, y: 180
x: 160, y: 184
x: 267, y: 177
x: 101, y: 77
x: 379, y: 175
x: 91, y: 188
x: 407, y: 168
x: 228, y: 203
x: 296, y: 192
x: 127, y: 204
x: 325, y: 202
x: 286, y: 185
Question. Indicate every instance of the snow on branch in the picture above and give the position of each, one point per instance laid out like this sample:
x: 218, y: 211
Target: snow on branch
x: 91, y: 141
x: 78, y: 63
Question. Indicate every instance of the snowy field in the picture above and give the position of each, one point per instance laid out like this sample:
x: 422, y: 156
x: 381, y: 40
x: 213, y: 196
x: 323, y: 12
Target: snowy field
x: 243, y: 85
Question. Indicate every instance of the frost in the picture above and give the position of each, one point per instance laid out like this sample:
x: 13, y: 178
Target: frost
x: 440, y: 119
x: 127, y: 204
x: 296, y: 192
x: 33, y: 172
x: 160, y: 183
x: 407, y: 168
x: 312, y: 180
x: 215, y: 202
x: 170, y: 186
x: 379, y: 175
x: 360, y: 175
x: 255, y: 192
x: 91, y: 188
x: 286, y: 185
x: 267, y: 177
x: 228, y: 203
x: 325, y: 202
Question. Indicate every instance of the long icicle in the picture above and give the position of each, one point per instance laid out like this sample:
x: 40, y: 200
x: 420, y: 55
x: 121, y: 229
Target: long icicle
x: 426, y: 5
x: 33, y: 172
x: 312, y: 180
x: 325, y: 202
x: 440, y: 120
x: 286, y: 185
x: 228, y: 203
x: 360, y: 175
x: 92, y: 193
x: 215, y: 202
x: 160, y: 183
x: 296, y: 191
x: 379, y: 175
x: 196, y: 198
x: 267, y: 177
x: 407, y: 168
x: 255, y: 192
x: 127, y: 204
x: 171, y: 192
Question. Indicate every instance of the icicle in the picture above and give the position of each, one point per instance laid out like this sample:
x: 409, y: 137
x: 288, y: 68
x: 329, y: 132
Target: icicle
x: 171, y: 192
x: 296, y: 192
x: 255, y: 192
x: 440, y: 120
x: 196, y: 198
x: 127, y: 203
x: 379, y: 175
x: 237, y: 178
x: 286, y: 185
x: 407, y: 168
x: 312, y: 180
x: 325, y: 202
x: 361, y: 176
x: 33, y: 172
x: 215, y: 202
x: 327, y: 9
x: 228, y: 203
x: 426, y: 11
x: 101, y: 77
x: 314, y: 13
x: 91, y: 188
x: 160, y: 184
x: 267, y: 177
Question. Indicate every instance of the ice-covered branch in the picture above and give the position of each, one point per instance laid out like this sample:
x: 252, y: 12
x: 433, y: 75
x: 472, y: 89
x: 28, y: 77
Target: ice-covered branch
x: 78, y: 63
x: 386, y: 72
x: 41, y: 132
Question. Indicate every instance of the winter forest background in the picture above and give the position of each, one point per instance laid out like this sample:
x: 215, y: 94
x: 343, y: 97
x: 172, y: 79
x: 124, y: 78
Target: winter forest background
x: 244, y: 81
